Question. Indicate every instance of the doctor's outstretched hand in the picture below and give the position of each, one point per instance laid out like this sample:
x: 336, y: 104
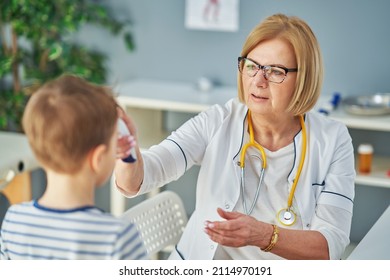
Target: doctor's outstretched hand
x: 239, y: 230
x: 126, y: 142
x: 128, y: 176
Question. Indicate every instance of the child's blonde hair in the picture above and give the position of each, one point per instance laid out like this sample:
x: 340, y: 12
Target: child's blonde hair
x: 66, y: 118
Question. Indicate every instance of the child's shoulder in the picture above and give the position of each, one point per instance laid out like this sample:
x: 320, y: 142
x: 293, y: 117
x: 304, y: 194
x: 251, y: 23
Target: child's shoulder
x: 17, y: 210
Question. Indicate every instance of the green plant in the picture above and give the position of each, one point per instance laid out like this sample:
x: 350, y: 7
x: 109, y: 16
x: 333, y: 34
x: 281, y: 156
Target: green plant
x: 37, y: 45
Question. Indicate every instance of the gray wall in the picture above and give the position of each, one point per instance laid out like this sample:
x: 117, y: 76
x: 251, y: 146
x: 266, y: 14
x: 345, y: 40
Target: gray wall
x: 353, y: 34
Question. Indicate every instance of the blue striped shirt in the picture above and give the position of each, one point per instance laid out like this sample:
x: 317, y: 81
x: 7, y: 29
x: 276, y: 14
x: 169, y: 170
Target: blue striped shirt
x: 31, y: 231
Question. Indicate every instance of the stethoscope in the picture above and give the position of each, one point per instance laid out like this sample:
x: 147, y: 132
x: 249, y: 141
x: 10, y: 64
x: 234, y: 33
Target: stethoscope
x: 286, y: 216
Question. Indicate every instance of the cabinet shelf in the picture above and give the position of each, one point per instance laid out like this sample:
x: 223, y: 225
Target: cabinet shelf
x: 378, y: 176
x: 381, y: 164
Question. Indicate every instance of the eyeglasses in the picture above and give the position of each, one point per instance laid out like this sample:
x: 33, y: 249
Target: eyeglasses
x: 274, y: 74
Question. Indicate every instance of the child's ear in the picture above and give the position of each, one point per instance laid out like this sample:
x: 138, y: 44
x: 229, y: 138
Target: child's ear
x: 96, y: 157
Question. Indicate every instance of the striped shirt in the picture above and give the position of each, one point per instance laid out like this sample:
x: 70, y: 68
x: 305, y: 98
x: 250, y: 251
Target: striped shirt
x: 31, y: 231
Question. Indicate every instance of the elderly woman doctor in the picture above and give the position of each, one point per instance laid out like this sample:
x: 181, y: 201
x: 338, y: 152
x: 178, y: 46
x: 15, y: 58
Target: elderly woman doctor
x: 276, y: 181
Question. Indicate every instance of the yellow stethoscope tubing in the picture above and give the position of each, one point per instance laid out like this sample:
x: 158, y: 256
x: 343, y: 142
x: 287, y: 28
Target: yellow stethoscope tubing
x: 253, y: 143
x: 301, y: 162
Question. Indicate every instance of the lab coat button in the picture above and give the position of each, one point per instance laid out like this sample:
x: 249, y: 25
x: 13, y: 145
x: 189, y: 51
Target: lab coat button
x: 227, y: 206
x: 211, y: 247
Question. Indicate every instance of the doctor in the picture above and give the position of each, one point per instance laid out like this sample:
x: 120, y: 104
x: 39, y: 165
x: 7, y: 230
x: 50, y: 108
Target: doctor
x: 276, y: 180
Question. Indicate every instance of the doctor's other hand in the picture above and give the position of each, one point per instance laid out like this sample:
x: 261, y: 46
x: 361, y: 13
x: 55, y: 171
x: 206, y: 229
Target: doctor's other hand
x: 238, y: 230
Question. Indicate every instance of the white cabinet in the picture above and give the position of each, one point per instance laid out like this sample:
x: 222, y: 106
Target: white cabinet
x: 379, y: 176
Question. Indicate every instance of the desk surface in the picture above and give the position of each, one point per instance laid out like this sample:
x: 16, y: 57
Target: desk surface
x: 15, y: 155
x: 172, y: 96
x: 375, y: 245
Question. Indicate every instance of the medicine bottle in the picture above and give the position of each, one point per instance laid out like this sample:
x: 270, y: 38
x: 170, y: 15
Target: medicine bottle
x: 365, y: 154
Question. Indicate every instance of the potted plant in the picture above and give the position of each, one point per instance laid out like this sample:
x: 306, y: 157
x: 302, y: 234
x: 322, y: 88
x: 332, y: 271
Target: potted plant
x: 36, y: 45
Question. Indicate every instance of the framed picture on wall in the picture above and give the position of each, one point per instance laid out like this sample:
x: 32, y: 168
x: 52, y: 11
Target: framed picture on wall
x: 217, y: 15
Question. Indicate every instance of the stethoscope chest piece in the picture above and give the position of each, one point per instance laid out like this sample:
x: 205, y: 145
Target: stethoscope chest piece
x: 287, y: 217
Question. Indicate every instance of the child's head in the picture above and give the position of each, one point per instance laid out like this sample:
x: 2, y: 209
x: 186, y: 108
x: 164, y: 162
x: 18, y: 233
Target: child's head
x: 68, y: 118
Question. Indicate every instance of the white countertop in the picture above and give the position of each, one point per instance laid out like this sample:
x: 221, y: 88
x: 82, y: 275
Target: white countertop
x: 172, y: 96
x: 186, y: 97
x: 378, y: 123
x: 374, y: 122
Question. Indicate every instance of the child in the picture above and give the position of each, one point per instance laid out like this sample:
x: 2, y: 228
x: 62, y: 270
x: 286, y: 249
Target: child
x: 72, y: 128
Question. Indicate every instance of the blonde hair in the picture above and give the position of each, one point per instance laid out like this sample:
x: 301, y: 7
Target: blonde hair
x: 307, y: 52
x: 66, y: 118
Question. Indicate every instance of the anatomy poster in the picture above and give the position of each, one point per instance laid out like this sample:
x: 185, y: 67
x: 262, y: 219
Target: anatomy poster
x: 219, y: 15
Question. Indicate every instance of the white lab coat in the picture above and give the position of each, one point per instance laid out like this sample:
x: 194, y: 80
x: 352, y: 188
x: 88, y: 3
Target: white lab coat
x: 213, y: 139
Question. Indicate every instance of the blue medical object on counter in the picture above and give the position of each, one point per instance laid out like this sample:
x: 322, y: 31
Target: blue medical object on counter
x: 331, y: 104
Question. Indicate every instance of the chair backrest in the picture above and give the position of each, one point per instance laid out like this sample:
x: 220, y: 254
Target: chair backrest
x: 160, y: 219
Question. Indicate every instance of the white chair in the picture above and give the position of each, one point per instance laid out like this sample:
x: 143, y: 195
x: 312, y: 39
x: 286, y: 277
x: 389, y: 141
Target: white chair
x: 160, y: 219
